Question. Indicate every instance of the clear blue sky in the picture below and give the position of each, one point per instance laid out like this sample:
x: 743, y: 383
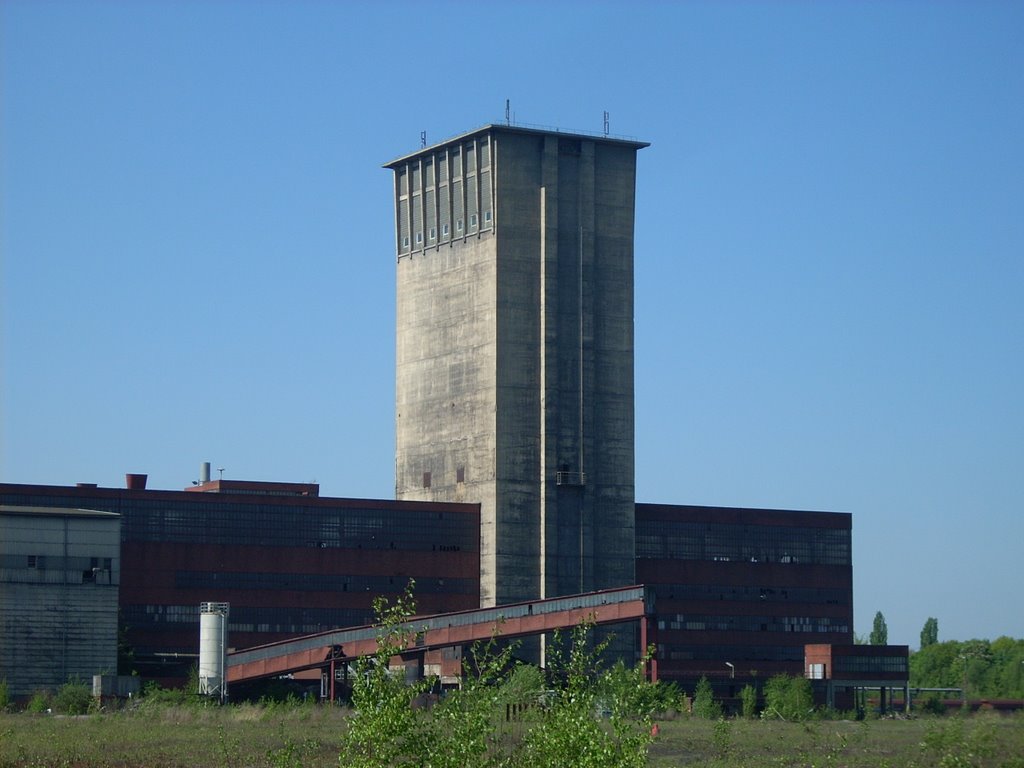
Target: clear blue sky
x: 198, y: 256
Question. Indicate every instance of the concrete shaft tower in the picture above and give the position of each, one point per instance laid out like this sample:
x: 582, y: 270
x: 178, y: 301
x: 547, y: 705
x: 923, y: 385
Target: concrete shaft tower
x: 514, y: 384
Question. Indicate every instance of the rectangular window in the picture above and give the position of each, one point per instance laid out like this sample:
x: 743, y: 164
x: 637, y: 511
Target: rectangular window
x: 460, y: 475
x: 426, y: 479
x: 419, y: 238
x: 405, y: 241
x: 458, y: 225
x: 472, y: 220
x: 444, y: 230
x: 487, y: 217
x: 433, y: 233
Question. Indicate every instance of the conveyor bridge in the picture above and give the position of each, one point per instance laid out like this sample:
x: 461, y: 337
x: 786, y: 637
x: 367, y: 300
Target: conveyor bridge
x: 324, y: 650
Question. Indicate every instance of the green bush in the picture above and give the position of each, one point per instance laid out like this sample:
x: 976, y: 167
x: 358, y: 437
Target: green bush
x: 155, y: 695
x: 38, y: 703
x: 930, y: 704
x: 466, y: 728
x: 627, y: 691
x: 569, y: 733
x: 5, y: 698
x: 704, y: 704
x: 384, y: 729
x: 748, y: 697
x: 73, y: 698
x: 959, y: 743
x: 524, y: 686
x: 788, y: 698
x: 721, y: 737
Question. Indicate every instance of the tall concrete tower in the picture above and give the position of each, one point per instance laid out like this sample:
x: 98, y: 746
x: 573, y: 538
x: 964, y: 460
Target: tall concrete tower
x: 515, y: 350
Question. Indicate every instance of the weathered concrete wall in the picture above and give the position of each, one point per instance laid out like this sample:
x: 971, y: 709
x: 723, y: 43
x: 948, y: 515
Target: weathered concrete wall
x: 445, y: 380
x: 515, y: 363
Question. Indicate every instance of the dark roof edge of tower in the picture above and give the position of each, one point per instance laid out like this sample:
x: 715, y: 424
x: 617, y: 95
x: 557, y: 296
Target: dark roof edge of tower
x: 506, y: 128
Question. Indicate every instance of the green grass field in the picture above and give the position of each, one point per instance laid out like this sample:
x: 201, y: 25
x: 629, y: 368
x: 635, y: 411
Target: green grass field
x: 236, y: 736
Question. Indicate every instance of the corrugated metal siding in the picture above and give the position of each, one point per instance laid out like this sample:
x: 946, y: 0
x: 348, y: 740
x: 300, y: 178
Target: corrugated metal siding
x: 58, y: 616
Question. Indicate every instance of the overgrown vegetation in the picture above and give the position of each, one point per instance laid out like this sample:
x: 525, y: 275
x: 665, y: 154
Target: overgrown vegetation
x: 73, y: 698
x: 511, y: 715
x: 748, y: 698
x: 291, y: 735
x: 788, y: 698
x: 594, y: 718
x: 986, y: 669
x: 704, y: 704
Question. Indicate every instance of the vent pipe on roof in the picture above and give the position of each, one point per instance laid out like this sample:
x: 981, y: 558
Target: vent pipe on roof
x: 204, y: 472
x: 136, y: 482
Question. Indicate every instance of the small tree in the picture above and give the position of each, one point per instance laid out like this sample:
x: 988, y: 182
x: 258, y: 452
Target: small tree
x: 748, y: 696
x: 788, y: 698
x: 628, y: 690
x: 879, y: 631
x: 384, y: 730
x: 569, y: 733
x: 930, y: 633
x: 704, y: 704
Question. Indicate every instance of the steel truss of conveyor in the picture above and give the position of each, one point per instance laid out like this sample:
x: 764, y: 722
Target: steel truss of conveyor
x: 444, y: 630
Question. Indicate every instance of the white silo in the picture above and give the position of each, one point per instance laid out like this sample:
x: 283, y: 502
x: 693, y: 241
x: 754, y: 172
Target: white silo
x: 213, y: 646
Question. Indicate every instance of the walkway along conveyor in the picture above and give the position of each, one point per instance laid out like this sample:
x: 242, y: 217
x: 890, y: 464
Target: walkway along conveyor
x: 324, y: 650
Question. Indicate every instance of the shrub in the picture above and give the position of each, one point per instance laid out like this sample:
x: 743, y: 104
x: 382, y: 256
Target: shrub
x: 5, y: 697
x: 73, y: 698
x: 704, y: 704
x: 38, y: 703
x: 153, y: 694
x: 931, y: 704
x: 385, y: 729
x: 524, y: 685
x: 627, y: 690
x: 569, y: 733
x: 462, y: 728
x: 721, y: 737
x: 788, y: 698
x: 748, y: 696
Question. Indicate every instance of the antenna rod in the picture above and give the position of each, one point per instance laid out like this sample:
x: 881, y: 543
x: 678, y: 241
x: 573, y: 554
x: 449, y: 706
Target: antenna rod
x: 606, y: 123
x: 508, y: 107
x: 423, y: 138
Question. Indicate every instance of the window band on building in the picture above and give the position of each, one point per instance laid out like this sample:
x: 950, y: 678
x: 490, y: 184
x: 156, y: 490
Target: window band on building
x: 447, y: 191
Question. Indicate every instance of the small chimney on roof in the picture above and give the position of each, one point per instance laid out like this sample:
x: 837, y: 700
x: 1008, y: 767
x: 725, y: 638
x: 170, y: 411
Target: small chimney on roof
x: 204, y: 472
x: 136, y: 482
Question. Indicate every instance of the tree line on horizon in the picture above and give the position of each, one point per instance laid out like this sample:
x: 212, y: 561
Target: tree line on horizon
x: 985, y: 669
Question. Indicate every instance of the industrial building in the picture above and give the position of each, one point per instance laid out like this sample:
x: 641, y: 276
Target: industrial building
x: 737, y: 593
x: 514, y: 367
x: 514, y: 452
x: 59, y: 575
x: 287, y: 560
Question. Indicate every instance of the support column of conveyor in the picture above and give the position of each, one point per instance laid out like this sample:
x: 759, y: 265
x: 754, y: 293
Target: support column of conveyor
x: 445, y: 630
